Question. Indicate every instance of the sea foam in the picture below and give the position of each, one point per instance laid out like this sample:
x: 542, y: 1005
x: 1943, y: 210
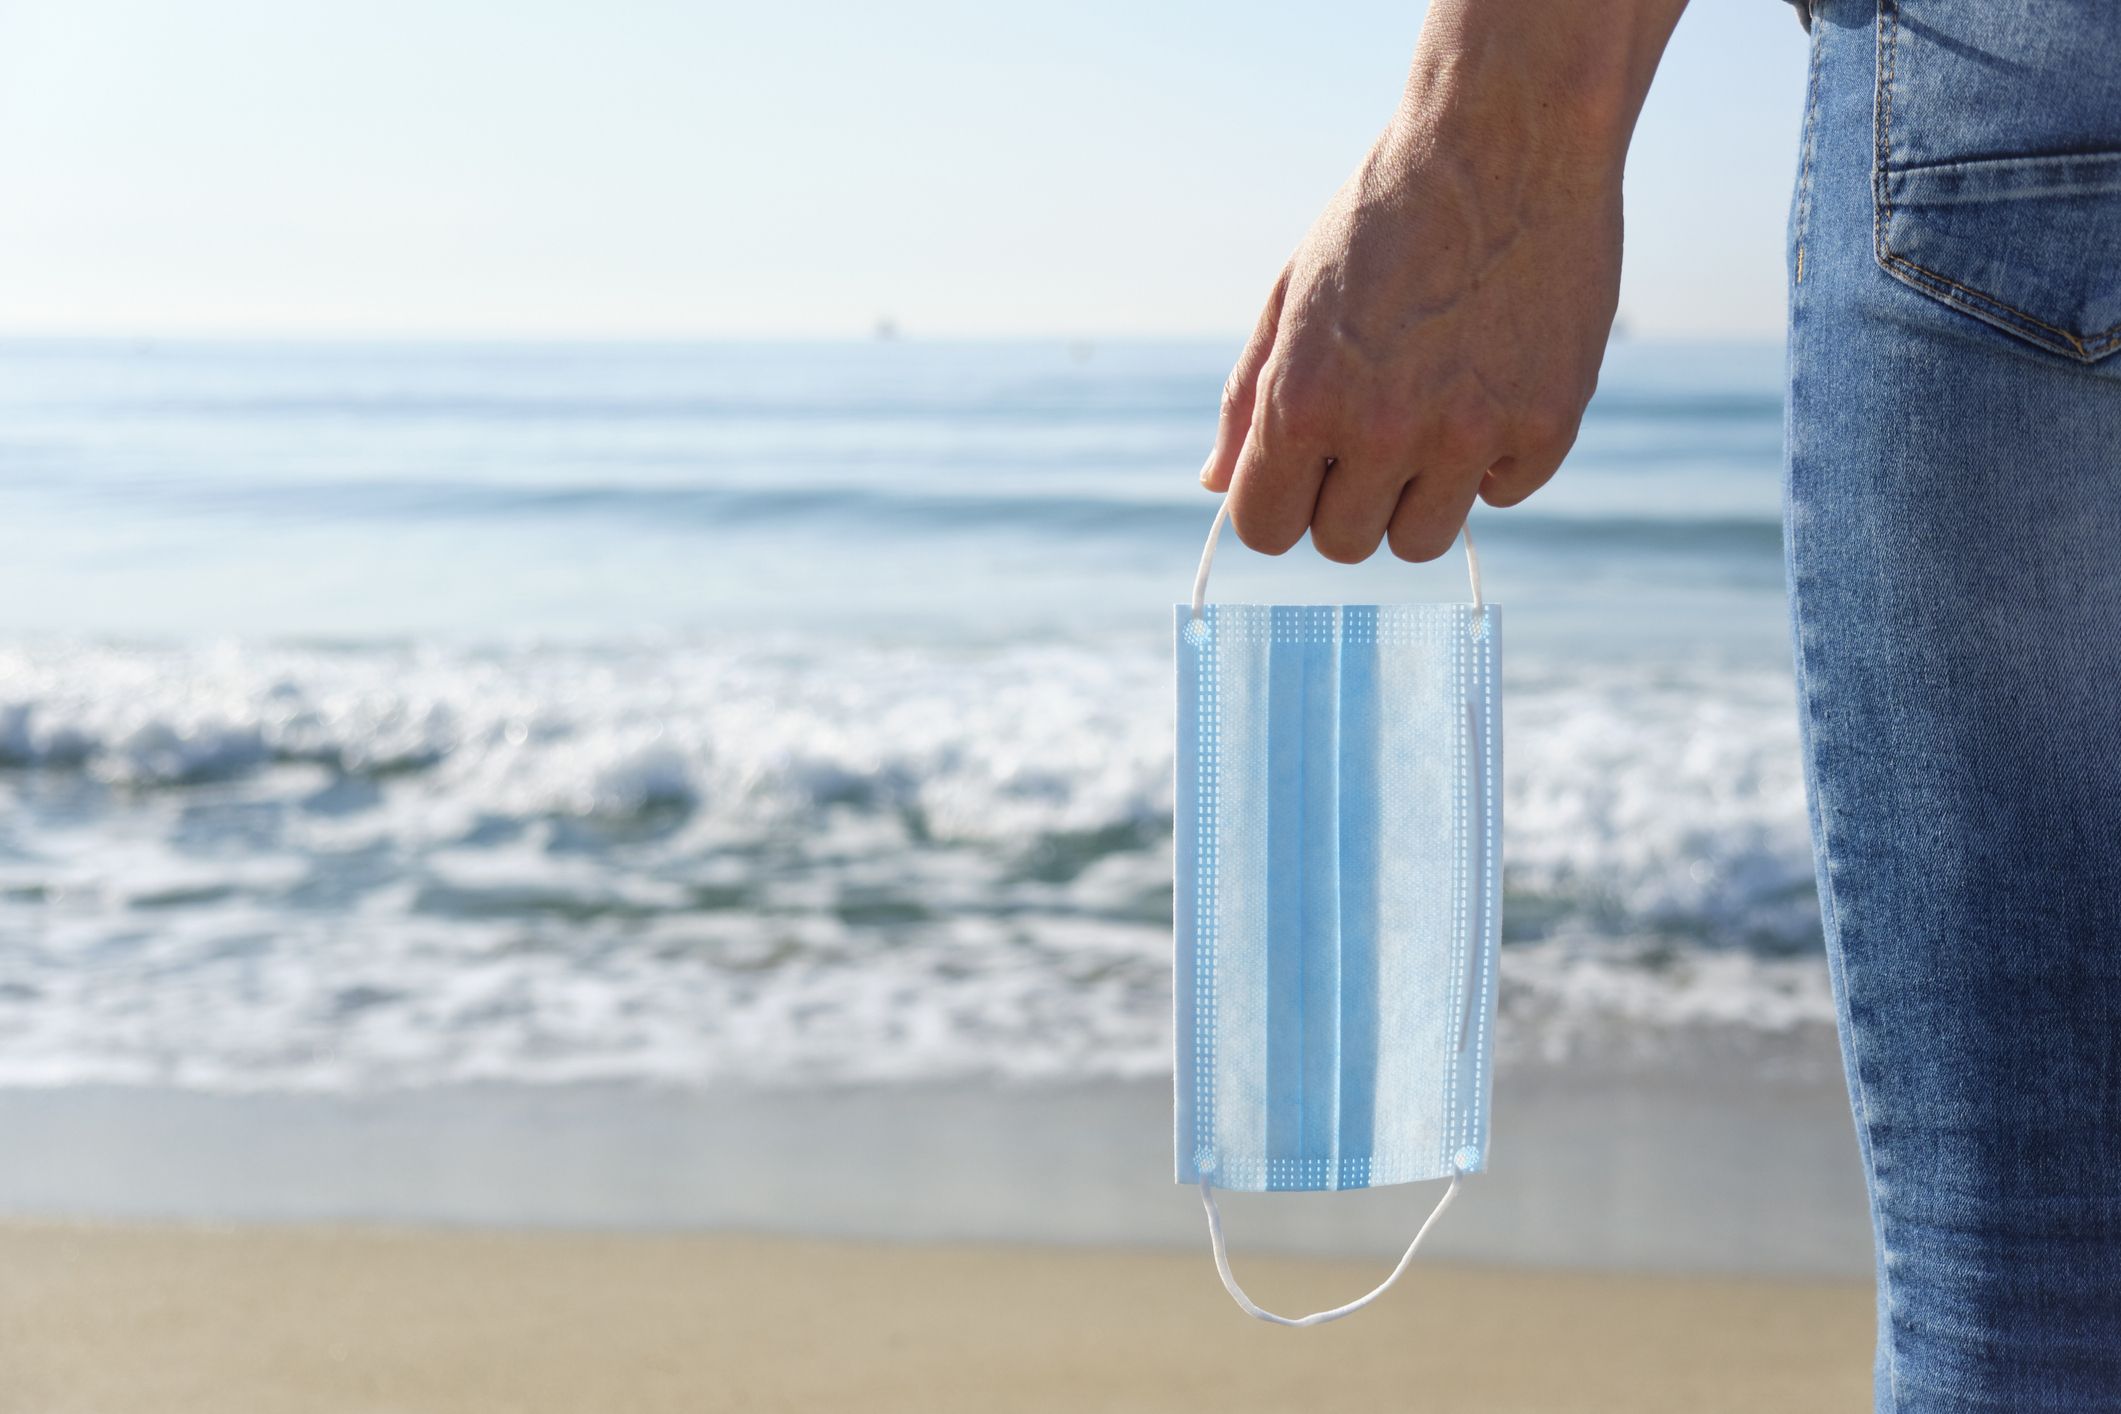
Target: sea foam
x: 273, y: 867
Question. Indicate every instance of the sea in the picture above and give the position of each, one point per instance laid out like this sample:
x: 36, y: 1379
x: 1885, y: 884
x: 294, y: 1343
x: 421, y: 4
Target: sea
x: 377, y: 717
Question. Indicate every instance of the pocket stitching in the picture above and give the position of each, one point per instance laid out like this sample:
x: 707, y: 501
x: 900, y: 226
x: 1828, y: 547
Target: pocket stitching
x: 2085, y: 346
x: 1976, y: 302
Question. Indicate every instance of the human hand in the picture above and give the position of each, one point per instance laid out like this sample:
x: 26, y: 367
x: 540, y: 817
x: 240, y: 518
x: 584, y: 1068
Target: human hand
x: 1438, y: 333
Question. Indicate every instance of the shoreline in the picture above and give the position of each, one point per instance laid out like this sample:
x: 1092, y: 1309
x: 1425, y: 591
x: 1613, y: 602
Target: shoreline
x: 1666, y: 1171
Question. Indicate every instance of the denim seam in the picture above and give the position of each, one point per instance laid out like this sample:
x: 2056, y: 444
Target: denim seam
x: 1830, y: 908
x: 1811, y: 131
x: 1882, y: 121
x: 1886, y: 69
x: 1857, y: 1065
x: 1979, y: 303
x: 2006, y: 160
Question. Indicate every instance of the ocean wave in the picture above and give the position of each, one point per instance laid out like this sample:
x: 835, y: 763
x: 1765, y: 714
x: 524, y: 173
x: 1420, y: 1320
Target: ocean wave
x: 270, y: 866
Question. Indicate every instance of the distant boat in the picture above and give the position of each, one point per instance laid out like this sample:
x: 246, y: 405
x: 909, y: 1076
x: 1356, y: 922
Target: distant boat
x: 886, y: 329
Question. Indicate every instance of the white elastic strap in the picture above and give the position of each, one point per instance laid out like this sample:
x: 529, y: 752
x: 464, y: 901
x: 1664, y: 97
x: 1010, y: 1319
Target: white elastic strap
x: 1207, y: 556
x: 1215, y: 534
x: 1316, y: 1318
x: 1472, y: 565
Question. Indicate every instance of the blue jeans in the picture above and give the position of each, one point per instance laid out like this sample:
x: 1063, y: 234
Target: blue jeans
x: 1953, y: 530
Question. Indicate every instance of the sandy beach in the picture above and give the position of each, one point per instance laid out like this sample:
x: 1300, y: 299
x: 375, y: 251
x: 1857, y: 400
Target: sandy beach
x: 175, y: 1319
x: 667, y: 903
x: 1688, y: 1244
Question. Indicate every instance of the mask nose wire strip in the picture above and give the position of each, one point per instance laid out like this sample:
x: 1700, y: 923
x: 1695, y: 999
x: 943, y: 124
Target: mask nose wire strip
x: 1215, y: 534
x: 1316, y: 1318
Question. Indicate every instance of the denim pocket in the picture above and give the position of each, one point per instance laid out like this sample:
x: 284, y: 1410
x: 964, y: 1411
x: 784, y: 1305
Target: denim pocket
x: 1998, y: 172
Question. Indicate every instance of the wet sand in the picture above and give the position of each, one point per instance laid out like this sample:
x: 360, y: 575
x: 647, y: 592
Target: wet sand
x: 1703, y: 1171
x: 176, y: 1319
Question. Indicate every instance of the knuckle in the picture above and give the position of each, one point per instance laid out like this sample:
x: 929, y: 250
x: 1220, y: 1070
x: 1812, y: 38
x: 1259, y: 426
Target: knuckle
x: 1342, y: 545
x: 1387, y: 427
x: 1549, y: 429
x: 1504, y: 491
x: 1236, y: 394
x: 1259, y: 533
x: 1298, y: 409
x: 1419, y: 543
x: 1464, y: 431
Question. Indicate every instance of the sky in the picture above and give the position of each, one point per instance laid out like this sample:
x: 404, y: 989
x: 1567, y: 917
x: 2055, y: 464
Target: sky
x: 672, y: 168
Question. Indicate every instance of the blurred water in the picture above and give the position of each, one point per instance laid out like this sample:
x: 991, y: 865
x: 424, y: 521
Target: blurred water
x: 384, y: 716
x: 934, y: 492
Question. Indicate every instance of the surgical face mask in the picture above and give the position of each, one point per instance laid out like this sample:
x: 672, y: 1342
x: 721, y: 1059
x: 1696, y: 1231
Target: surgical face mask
x: 1338, y: 899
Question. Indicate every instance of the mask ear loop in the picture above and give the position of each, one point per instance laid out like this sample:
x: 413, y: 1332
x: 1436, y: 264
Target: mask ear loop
x: 1207, y: 1192
x: 1316, y: 1318
x: 1215, y: 534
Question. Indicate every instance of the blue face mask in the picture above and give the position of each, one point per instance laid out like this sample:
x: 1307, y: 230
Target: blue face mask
x: 1338, y: 897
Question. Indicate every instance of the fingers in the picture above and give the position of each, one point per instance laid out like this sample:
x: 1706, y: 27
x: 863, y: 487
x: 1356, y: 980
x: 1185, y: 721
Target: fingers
x: 1540, y: 443
x: 1462, y: 459
x: 1431, y: 511
x: 1274, y: 489
x: 1514, y: 478
x: 1241, y: 391
x: 1355, y: 505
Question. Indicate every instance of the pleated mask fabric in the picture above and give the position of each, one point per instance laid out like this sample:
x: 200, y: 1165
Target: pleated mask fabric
x: 1338, y: 892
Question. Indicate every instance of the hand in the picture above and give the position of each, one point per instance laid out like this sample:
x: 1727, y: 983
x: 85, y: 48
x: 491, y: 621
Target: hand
x: 1438, y: 333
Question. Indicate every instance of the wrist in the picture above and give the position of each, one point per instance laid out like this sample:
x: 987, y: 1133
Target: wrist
x: 1548, y: 83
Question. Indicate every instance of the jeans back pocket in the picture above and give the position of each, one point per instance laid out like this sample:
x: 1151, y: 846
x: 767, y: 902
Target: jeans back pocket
x: 1998, y: 172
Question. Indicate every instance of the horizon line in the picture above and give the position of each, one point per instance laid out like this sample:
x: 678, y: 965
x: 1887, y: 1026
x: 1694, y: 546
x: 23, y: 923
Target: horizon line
x: 1233, y: 337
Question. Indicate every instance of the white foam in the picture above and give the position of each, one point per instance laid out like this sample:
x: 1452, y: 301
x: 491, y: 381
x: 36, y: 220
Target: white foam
x: 256, y: 866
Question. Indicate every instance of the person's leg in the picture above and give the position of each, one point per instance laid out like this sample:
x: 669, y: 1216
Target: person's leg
x: 1954, y: 539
